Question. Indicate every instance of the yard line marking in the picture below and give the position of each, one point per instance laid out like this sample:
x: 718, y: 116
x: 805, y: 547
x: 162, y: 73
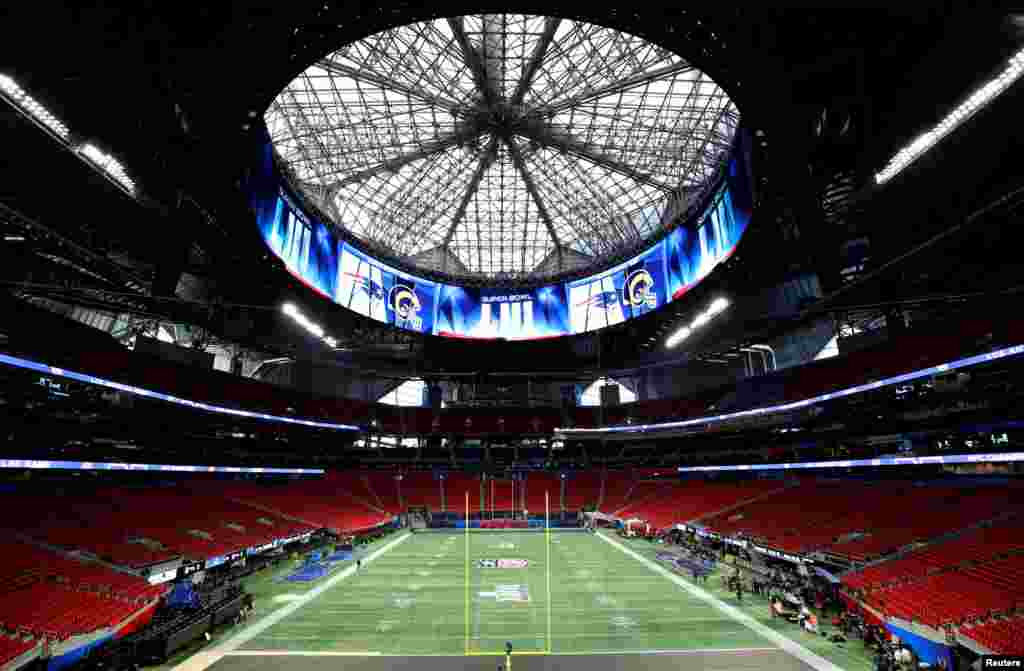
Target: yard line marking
x: 692, y: 651
x: 300, y: 653
x: 792, y: 647
x: 206, y: 658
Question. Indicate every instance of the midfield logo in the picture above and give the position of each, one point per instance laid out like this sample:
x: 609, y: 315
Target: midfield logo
x: 502, y: 563
x: 516, y: 593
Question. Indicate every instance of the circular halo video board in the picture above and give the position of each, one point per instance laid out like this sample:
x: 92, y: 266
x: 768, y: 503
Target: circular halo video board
x: 331, y: 266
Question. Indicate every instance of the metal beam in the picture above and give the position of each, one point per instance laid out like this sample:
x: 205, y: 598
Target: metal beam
x: 536, y: 58
x: 517, y: 160
x: 480, y: 75
x: 562, y: 140
x: 614, y: 87
x: 495, y: 63
x: 486, y: 158
x: 426, y: 150
x: 437, y: 188
x: 544, y: 168
x: 385, y: 82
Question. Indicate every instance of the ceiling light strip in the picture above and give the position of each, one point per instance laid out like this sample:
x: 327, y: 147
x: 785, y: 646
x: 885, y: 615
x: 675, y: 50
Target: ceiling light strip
x: 977, y: 100
x: 797, y: 405
x: 103, y: 162
x: 717, y: 306
x: 48, y: 465
x: 1003, y: 457
x: 305, y: 322
x: 45, y: 369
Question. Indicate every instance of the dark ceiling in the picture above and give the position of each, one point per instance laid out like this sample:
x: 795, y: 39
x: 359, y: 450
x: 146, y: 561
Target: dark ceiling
x: 174, y: 90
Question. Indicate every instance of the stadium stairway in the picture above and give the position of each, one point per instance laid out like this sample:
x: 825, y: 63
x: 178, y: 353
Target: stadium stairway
x: 1001, y: 635
x: 259, y: 506
x: 686, y: 501
x: 744, y: 502
x: 582, y: 489
x: 421, y: 488
x: 913, y: 549
x: 641, y: 492
x: 46, y: 594
x: 618, y: 489
x: 385, y: 488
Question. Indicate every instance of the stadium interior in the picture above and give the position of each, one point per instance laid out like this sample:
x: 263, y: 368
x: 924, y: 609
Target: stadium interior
x: 386, y: 336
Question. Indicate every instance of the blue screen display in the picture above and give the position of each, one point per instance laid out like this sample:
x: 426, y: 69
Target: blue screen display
x: 332, y: 267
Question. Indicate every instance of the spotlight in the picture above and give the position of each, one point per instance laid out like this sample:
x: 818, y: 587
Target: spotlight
x: 718, y: 305
x: 678, y: 337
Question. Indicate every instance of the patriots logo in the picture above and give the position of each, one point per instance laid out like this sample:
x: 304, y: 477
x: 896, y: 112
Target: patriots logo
x: 367, y: 286
x: 605, y: 300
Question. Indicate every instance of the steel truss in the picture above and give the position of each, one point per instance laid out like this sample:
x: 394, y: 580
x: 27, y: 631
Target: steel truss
x: 503, y: 141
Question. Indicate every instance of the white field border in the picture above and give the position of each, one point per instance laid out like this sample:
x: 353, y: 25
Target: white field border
x: 788, y: 645
x: 204, y: 659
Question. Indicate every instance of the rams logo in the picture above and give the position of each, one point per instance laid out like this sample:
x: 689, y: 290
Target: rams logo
x: 639, y: 290
x: 406, y: 305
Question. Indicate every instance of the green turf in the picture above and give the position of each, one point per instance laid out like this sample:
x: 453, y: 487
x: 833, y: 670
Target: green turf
x: 412, y: 600
x: 851, y: 656
x: 267, y: 592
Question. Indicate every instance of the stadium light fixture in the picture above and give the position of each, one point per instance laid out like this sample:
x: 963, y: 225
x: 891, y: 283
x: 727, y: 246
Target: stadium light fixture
x: 106, y: 164
x: 678, y: 337
x: 109, y: 165
x: 305, y: 322
x: 20, y: 99
x: 977, y: 100
x: 718, y: 306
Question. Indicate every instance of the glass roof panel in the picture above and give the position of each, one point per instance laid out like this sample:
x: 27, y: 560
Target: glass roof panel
x: 502, y: 138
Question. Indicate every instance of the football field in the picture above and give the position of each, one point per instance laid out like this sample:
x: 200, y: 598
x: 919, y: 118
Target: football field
x: 453, y: 593
x: 434, y: 601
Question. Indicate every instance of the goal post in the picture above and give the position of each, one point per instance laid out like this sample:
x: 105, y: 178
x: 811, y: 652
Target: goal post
x: 547, y: 563
x: 467, y: 574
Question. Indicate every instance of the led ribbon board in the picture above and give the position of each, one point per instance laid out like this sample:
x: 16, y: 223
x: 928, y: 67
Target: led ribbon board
x: 796, y: 405
x: 313, y: 253
x: 147, y: 393
x: 48, y: 465
x: 859, y: 463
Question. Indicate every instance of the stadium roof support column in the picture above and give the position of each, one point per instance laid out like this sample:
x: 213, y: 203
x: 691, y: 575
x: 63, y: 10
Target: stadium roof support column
x: 487, y: 157
x: 539, y: 51
x: 485, y: 85
x: 517, y: 159
x: 563, y: 140
x: 466, y: 132
x: 617, y: 86
x: 393, y: 85
x: 494, y: 61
